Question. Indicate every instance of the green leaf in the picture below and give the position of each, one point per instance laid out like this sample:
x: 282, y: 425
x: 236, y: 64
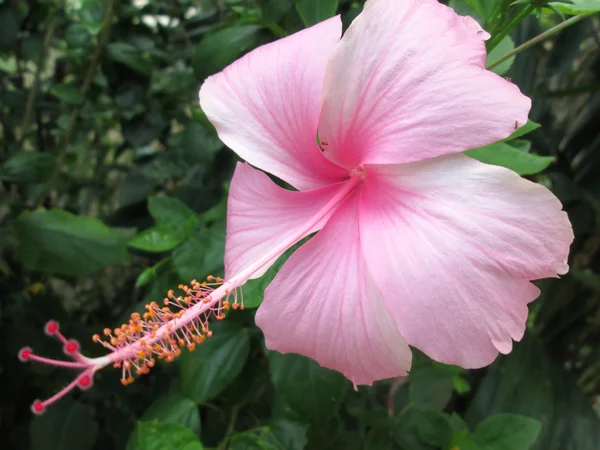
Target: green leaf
x: 173, y: 408
x: 67, y: 93
x: 529, y: 383
x: 315, y: 11
x: 169, y: 211
x: 163, y: 436
x: 504, y: 46
x: 254, y: 290
x: 506, y: 155
x: 252, y: 441
x: 222, y: 47
x: 291, y: 435
x: 10, y: 22
x: 59, y: 242
x: 202, y: 254
x: 67, y: 425
x: 578, y: 6
x: 430, y: 387
x: 303, y: 389
x: 27, y: 167
x: 214, y: 364
x: 158, y: 239
x: 507, y: 432
x: 129, y: 56
x: 279, y: 435
x: 525, y: 129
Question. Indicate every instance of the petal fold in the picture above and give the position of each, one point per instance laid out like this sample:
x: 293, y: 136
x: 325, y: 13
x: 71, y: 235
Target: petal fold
x: 265, y: 106
x: 323, y: 304
x: 452, y: 244
x: 407, y: 82
x: 261, y: 214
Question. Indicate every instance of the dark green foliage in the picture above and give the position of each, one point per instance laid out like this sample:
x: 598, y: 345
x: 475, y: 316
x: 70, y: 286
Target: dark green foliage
x: 113, y: 190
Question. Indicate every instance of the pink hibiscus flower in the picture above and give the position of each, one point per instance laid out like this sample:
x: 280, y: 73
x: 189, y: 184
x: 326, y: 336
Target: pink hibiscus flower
x: 416, y: 243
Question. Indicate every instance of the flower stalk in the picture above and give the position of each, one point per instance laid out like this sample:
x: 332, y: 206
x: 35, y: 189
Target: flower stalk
x: 540, y: 37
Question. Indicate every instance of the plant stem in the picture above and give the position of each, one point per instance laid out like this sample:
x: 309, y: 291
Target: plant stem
x: 540, y: 37
x: 87, y: 82
x: 508, y: 28
x: 41, y: 59
x: 230, y: 429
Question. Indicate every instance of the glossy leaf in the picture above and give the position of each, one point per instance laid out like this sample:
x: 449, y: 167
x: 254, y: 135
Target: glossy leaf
x: 129, y: 56
x: 67, y: 93
x: 202, y: 253
x: 158, y: 239
x: 315, y: 11
x: 507, y: 432
x: 68, y: 425
x: 60, y: 242
x: 303, y: 389
x: 27, y: 167
x: 163, y: 436
x: 528, y: 383
x: 214, y: 364
x: 222, y: 47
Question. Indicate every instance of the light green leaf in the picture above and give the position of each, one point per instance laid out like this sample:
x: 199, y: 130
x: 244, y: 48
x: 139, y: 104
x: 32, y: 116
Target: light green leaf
x: 214, y: 364
x: 315, y: 11
x: 507, y: 432
x: 161, y: 238
x: 303, y: 389
x: 27, y: 167
x: 506, y: 155
x: 525, y: 129
x: 578, y: 6
x: 59, y: 242
x: 68, y: 425
x: 163, y: 436
x: 504, y: 46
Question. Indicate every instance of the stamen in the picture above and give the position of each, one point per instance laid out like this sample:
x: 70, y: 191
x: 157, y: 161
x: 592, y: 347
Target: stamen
x: 159, y: 333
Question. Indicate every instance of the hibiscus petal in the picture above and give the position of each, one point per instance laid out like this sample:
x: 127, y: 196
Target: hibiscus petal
x: 407, y: 82
x: 265, y: 106
x: 323, y: 304
x: 261, y: 215
x: 452, y: 244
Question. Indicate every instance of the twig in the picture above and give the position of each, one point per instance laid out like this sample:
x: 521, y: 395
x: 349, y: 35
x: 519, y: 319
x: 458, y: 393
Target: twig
x: 40, y: 62
x: 87, y: 82
x: 538, y: 38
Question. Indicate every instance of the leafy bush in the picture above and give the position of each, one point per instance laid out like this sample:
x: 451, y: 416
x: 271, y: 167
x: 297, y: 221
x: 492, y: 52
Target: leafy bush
x: 114, y: 188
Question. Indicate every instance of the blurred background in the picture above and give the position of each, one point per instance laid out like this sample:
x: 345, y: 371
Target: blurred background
x: 113, y: 188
